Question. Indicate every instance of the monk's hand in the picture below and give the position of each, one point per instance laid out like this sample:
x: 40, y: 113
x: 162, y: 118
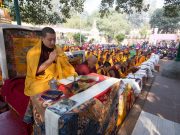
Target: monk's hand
x: 52, y: 56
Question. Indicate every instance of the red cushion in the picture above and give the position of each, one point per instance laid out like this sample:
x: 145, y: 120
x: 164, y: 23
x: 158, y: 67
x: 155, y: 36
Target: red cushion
x: 13, y: 93
x: 10, y: 124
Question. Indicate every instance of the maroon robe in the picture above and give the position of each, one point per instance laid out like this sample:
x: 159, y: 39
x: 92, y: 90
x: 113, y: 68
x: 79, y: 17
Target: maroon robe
x: 45, y: 51
x: 83, y: 69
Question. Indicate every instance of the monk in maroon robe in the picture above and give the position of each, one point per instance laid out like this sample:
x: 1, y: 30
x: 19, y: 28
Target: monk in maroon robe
x: 88, y: 66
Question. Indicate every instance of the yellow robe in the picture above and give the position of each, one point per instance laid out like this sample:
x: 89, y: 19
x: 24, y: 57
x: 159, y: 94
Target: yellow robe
x: 37, y: 84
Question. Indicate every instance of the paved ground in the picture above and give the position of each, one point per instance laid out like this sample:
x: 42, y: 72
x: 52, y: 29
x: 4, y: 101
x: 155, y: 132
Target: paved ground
x: 162, y: 99
x: 150, y: 124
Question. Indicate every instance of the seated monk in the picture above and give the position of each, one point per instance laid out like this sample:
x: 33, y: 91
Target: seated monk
x: 88, y: 66
x: 87, y: 54
x: 100, y: 63
x: 44, y: 62
x: 105, y: 69
x: 113, y: 60
x: 123, y: 70
x: 108, y: 58
x: 114, y: 70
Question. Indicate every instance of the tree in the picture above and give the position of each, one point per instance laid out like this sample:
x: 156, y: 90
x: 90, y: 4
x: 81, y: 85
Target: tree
x: 111, y: 25
x: 144, y: 31
x: 122, y: 6
x: 130, y: 6
x: 46, y: 11
x: 172, y: 8
x: 91, y: 41
x: 77, y: 37
x: 165, y: 24
x: 74, y: 22
x: 120, y: 38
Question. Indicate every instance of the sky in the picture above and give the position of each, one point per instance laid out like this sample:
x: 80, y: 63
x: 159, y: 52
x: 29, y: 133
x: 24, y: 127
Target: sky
x: 93, y: 5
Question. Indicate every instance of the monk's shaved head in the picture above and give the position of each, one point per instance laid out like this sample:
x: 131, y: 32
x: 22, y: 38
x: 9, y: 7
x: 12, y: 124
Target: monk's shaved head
x: 46, y: 30
x: 92, y: 60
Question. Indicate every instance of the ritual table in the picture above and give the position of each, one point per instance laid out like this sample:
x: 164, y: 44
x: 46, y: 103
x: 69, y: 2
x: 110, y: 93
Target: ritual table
x: 92, y: 111
x: 99, y: 109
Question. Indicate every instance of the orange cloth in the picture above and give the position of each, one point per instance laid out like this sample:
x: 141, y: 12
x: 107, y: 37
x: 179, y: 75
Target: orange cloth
x: 142, y: 59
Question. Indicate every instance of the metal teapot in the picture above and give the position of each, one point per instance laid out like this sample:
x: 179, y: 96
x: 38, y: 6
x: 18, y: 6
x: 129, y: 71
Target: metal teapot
x: 53, y: 84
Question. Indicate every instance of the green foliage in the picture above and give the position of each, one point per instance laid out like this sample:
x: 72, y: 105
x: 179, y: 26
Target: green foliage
x: 172, y: 8
x: 122, y: 6
x: 164, y: 23
x: 136, y: 20
x: 76, y: 22
x: 36, y: 12
x: 69, y: 35
x: 77, y: 37
x: 6, y: 3
x: 113, y: 24
x: 144, y: 31
x: 46, y: 11
x: 130, y: 6
x: 91, y: 40
x: 120, y: 38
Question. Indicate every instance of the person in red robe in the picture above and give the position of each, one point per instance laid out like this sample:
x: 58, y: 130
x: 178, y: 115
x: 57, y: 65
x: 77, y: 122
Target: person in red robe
x: 88, y: 66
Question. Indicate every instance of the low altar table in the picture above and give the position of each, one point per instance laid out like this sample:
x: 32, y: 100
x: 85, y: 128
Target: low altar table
x: 99, y: 109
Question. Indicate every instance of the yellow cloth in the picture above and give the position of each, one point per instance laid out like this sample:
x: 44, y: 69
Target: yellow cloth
x: 37, y: 84
x: 111, y: 61
x: 121, y: 109
x: 101, y: 70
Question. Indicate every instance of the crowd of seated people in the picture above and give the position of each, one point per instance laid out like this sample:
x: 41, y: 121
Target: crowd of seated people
x: 167, y: 50
x: 113, y: 61
x: 117, y: 61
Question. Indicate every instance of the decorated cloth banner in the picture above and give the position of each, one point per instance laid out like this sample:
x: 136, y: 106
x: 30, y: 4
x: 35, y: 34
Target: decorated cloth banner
x: 15, y: 41
x: 21, y: 47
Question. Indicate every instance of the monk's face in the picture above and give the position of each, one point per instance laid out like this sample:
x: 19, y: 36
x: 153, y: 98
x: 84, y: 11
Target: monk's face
x: 49, y: 40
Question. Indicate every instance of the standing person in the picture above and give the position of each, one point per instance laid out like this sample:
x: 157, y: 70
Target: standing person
x: 44, y: 62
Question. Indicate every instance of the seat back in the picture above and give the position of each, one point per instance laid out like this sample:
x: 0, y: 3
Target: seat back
x: 17, y: 43
x: 13, y: 94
